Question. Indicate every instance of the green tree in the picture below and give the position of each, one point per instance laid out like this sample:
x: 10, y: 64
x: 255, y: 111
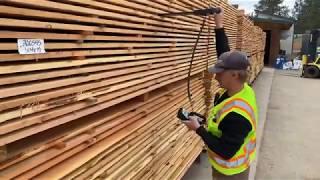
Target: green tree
x: 272, y: 7
x: 307, y: 15
x: 297, y: 9
x: 284, y: 11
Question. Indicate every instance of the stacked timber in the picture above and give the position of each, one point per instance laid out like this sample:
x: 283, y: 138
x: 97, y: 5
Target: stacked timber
x: 131, y: 139
x: 259, y: 42
x: 230, y: 24
x: 101, y: 102
x: 90, y: 89
x: 251, y: 40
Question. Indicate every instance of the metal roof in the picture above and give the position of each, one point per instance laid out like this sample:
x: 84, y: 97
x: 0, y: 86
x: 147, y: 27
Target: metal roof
x: 261, y: 17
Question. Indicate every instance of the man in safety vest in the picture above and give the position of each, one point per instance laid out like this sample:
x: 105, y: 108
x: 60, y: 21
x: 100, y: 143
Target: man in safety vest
x: 231, y: 133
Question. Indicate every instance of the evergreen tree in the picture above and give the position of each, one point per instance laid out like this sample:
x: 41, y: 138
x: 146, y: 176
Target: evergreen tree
x: 297, y: 9
x: 307, y: 15
x: 272, y: 7
x: 284, y: 11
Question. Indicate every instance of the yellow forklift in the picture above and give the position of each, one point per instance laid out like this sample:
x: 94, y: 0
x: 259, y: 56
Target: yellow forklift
x: 311, y: 54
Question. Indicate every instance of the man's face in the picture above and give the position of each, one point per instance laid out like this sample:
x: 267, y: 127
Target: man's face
x: 225, y: 79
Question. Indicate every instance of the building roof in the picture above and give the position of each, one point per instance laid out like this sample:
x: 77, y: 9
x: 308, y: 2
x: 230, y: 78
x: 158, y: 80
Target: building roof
x: 271, y: 22
x: 261, y: 17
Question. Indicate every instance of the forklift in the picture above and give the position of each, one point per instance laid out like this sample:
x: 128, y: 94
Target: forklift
x: 311, y: 54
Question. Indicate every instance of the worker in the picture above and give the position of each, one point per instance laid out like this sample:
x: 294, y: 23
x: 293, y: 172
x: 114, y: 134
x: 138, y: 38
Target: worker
x: 231, y: 134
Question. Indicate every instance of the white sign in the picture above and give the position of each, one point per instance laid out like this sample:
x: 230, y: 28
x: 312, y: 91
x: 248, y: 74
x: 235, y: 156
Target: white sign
x: 31, y: 46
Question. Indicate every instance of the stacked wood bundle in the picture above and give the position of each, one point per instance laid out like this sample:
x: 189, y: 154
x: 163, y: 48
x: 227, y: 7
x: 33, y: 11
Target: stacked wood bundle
x: 258, y: 51
x: 117, y: 142
x: 245, y: 33
x: 230, y: 24
x: 109, y: 85
x: 251, y: 40
x: 256, y: 65
x: 101, y: 101
x: 258, y: 38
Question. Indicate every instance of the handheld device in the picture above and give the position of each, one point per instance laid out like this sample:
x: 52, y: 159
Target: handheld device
x: 183, y: 115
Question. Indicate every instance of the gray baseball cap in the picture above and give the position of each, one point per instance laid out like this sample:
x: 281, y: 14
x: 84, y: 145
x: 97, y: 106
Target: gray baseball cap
x: 232, y: 60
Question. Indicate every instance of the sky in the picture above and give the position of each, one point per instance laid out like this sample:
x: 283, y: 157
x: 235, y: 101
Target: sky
x: 248, y: 5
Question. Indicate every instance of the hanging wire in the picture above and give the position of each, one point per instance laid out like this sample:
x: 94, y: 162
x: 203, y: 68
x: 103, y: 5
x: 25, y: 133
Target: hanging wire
x: 191, y: 61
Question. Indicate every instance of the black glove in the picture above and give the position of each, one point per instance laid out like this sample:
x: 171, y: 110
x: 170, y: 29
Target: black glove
x: 206, y: 12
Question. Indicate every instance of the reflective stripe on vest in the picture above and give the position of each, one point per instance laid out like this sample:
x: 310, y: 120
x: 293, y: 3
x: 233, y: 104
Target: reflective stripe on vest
x: 235, y: 162
x: 240, y: 104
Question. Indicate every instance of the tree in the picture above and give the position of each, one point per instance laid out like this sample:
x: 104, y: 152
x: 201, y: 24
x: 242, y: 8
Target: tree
x: 272, y: 7
x: 297, y: 9
x: 306, y: 14
x: 298, y: 15
x: 284, y: 11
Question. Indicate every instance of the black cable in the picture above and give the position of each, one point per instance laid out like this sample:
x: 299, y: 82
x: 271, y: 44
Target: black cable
x: 190, y: 66
x: 200, y: 12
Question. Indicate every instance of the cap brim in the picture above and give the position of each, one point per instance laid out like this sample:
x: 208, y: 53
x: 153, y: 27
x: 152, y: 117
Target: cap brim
x: 215, y: 69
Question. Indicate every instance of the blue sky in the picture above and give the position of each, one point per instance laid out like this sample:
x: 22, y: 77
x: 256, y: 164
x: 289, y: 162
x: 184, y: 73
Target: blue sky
x: 248, y: 5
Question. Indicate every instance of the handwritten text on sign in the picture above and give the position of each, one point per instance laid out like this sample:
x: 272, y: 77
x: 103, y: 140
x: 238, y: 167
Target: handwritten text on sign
x: 31, y: 46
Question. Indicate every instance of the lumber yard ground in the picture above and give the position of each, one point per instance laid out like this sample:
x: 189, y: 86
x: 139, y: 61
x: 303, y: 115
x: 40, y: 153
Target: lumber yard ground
x: 289, y: 131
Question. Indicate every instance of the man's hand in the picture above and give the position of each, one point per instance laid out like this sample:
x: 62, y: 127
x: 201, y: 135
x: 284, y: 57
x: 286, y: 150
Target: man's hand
x: 193, y: 123
x: 218, y: 18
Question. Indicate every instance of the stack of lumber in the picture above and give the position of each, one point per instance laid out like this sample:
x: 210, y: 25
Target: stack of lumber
x: 134, y: 139
x: 211, y: 88
x: 245, y: 33
x: 230, y: 24
x: 251, y: 40
x: 258, y: 40
x: 258, y: 51
x: 103, y: 98
x: 101, y: 102
x: 256, y: 65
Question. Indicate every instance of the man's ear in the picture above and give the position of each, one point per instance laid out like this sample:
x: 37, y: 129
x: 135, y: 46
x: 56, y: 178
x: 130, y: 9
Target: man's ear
x: 234, y: 74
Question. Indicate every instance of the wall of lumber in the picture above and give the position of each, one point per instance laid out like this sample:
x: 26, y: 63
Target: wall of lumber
x: 251, y: 40
x: 102, y: 101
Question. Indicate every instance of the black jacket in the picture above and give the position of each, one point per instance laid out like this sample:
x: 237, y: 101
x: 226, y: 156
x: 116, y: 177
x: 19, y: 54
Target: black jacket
x: 234, y: 126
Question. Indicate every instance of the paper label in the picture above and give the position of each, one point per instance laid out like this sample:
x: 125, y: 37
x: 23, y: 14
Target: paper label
x: 31, y: 46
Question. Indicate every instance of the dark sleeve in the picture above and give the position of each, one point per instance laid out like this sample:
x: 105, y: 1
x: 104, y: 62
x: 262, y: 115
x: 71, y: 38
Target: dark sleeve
x: 235, y: 129
x: 218, y: 99
x: 222, y: 44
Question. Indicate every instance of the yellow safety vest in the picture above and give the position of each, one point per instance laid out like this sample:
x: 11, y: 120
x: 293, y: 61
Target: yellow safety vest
x: 243, y: 103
